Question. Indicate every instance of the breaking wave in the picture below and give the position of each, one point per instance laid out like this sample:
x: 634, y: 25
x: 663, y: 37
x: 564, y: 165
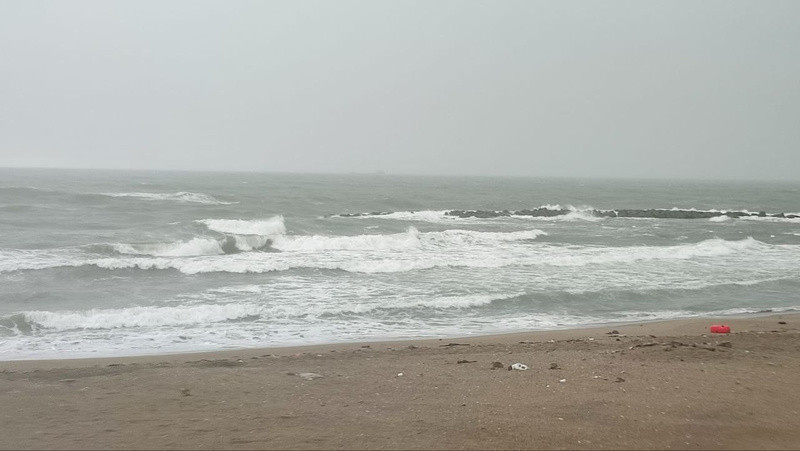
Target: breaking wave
x: 411, y: 239
x: 181, y: 196
x: 150, y: 330
x: 139, y: 316
x: 264, y: 227
x: 193, y: 247
x: 186, y: 315
x: 409, y: 251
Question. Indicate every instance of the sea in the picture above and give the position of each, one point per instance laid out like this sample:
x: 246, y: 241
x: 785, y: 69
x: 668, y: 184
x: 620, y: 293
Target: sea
x: 116, y: 263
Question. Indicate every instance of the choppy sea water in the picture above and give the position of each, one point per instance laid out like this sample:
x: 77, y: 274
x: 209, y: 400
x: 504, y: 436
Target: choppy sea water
x: 101, y: 263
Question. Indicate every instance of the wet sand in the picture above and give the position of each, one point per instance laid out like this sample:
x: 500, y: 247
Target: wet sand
x: 653, y: 385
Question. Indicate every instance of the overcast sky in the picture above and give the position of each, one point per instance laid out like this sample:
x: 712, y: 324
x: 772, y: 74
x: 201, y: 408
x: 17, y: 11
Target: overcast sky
x: 614, y: 88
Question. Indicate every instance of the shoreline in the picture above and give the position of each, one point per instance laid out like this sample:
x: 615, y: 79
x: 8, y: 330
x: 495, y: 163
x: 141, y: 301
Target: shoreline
x: 566, y: 330
x: 660, y: 384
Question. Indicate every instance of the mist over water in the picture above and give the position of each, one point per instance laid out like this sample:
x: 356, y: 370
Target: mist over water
x: 96, y: 263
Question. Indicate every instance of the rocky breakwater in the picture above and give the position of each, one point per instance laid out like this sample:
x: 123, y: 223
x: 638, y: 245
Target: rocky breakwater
x: 625, y: 213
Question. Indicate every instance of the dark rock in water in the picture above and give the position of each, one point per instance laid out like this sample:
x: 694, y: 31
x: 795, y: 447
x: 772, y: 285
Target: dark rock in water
x: 542, y: 212
x: 624, y: 213
x: 781, y: 322
x: 482, y: 214
x: 667, y: 214
x: 496, y: 365
x: 554, y: 366
x: 357, y: 215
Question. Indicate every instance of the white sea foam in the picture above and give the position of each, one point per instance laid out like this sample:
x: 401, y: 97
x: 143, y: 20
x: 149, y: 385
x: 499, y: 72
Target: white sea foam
x: 432, y: 216
x: 154, y: 330
x: 715, y: 247
x: 34, y: 259
x: 432, y: 257
x: 411, y: 239
x: 316, y: 243
x: 409, y: 251
x: 771, y: 219
x: 251, y: 242
x: 722, y: 218
x: 264, y: 227
x: 555, y: 207
x: 140, y: 316
x: 182, y: 196
x: 205, y: 314
x: 583, y: 213
x: 699, y: 210
x: 194, y: 247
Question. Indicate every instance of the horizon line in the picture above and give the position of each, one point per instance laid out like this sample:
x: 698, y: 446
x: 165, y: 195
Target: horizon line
x: 402, y: 174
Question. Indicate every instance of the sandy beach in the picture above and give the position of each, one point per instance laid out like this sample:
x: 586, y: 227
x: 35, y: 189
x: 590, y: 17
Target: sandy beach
x: 651, y: 385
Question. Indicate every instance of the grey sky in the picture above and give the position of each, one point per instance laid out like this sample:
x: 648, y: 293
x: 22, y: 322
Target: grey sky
x: 559, y: 88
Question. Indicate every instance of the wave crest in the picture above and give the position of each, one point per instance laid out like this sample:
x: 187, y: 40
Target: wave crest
x: 403, y: 252
x: 264, y: 227
x: 194, y: 247
x: 182, y: 196
x: 140, y: 316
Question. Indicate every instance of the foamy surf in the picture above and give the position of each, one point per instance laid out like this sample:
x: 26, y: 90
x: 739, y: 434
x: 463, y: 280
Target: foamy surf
x: 397, y: 253
x: 190, y: 248
x: 264, y: 227
x: 120, y: 333
x: 173, y: 268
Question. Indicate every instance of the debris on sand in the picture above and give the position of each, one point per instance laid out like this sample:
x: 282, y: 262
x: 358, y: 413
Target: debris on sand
x: 310, y: 376
x: 518, y: 366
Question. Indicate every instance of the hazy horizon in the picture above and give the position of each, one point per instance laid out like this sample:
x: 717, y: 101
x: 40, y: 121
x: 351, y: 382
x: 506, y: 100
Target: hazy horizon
x: 619, y: 89
x: 378, y: 173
